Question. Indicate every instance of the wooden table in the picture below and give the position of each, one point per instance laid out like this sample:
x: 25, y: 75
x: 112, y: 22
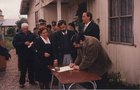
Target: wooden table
x: 74, y: 77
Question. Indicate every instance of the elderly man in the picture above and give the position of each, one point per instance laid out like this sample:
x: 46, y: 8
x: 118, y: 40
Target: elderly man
x: 91, y: 55
x: 22, y: 42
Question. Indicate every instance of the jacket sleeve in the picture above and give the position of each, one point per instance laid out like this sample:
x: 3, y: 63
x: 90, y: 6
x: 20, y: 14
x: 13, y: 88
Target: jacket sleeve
x: 78, y: 58
x: 17, y: 42
x: 90, y: 56
x: 54, y: 45
x: 39, y: 47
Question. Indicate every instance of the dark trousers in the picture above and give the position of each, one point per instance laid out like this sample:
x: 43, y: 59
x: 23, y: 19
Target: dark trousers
x: 26, y: 64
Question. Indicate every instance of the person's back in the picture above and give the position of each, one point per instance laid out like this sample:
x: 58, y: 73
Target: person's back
x: 102, y: 62
x: 92, y: 57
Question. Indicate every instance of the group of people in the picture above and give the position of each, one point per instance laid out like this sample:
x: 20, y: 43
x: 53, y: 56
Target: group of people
x: 62, y: 43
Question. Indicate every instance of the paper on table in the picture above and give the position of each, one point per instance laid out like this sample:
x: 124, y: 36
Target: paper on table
x: 65, y: 68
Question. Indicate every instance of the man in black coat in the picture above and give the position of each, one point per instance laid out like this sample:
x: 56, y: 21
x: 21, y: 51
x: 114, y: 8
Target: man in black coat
x: 23, y: 42
x: 63, y: 49
x: 90, y: 28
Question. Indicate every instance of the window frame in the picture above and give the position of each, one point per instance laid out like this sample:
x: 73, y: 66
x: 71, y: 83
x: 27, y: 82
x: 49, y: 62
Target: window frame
x: 119, y: 17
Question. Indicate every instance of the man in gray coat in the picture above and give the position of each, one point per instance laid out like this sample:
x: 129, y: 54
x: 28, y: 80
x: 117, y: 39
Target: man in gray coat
x: 91, y: 55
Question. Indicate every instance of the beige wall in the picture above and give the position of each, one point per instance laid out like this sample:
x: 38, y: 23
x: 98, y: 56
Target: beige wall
x: 50, y: 13
x: 31, y: 16
x: 126, y: 59
x: 1, y: 17
x: 72, y: 8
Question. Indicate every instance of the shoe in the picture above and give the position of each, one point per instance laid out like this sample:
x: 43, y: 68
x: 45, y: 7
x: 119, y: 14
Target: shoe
x: 21, y: 86
x: 33, y: 83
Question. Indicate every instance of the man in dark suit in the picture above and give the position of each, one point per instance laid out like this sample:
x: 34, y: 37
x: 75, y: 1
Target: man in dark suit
x: 90, y: 28
x: 23, y: 42
x: 62, y: 46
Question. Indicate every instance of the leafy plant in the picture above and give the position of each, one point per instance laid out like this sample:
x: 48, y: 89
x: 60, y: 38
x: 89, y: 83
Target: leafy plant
x: 11, y: 31
x: 115, y: 82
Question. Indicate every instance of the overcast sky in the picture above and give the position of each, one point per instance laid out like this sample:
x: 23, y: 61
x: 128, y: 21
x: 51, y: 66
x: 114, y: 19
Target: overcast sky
x: 10, y: 8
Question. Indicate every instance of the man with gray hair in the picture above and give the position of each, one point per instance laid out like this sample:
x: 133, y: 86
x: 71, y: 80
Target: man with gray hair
x: 22, y: 42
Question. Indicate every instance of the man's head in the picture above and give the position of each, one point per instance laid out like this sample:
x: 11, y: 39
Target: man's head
x: 78, y: 40
x: 35, y: 31
x: 62, y: 24
x: 24, y: 27
x: 49, y: 27
x: 86, y: 17
x: 42, y: 23
x: 54, y: 23
x: 71, y: 26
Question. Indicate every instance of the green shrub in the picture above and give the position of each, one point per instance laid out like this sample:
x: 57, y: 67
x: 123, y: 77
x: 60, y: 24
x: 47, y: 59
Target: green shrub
x: 115, y: 82
x: 11, y: 31
x: 9, y: 44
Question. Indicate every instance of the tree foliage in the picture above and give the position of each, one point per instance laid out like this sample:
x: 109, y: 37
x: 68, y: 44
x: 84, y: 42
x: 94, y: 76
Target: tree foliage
x: 19, y: 22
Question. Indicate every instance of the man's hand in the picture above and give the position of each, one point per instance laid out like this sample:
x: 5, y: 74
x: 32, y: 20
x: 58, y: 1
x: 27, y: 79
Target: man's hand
x: 76, y: 67
x: 72, y: 65
x: 27, y: 43
x: 46, y: 55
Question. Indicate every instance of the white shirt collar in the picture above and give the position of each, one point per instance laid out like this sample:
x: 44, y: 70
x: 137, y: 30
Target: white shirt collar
x: 46, y: 41
x: 87, y: 24
x: 65, y: 32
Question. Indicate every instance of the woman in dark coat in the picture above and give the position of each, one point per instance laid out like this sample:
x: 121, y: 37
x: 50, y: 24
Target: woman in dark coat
x: 43, y: 59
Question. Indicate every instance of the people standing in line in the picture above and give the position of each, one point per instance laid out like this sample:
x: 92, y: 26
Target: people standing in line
x: 91, y: 56
x: 44, y: 58
x: 62, y: 46
x: 23, y: 43
x: 90, y: 28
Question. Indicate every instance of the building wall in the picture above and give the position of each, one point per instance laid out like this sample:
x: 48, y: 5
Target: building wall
x: 50, y: 13
x: 72, y: 8
x: 31, y: 16
x: 35, y: 7
x: 1, y: 17
x: 126, y: 59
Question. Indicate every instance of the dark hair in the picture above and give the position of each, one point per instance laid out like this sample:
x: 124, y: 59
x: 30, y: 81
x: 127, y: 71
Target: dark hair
x: 72, y: 24
x: 35, y: 28
x: 61, y: 22
x: 41, y: 30
x: 77, y: 37
x: 89, y: 14
x: 53, y: 23
x: 49, y: 26
x: 42, y: 22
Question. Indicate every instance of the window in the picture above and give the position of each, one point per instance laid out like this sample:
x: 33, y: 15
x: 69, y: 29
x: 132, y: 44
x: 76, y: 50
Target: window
x: 121, y: 21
